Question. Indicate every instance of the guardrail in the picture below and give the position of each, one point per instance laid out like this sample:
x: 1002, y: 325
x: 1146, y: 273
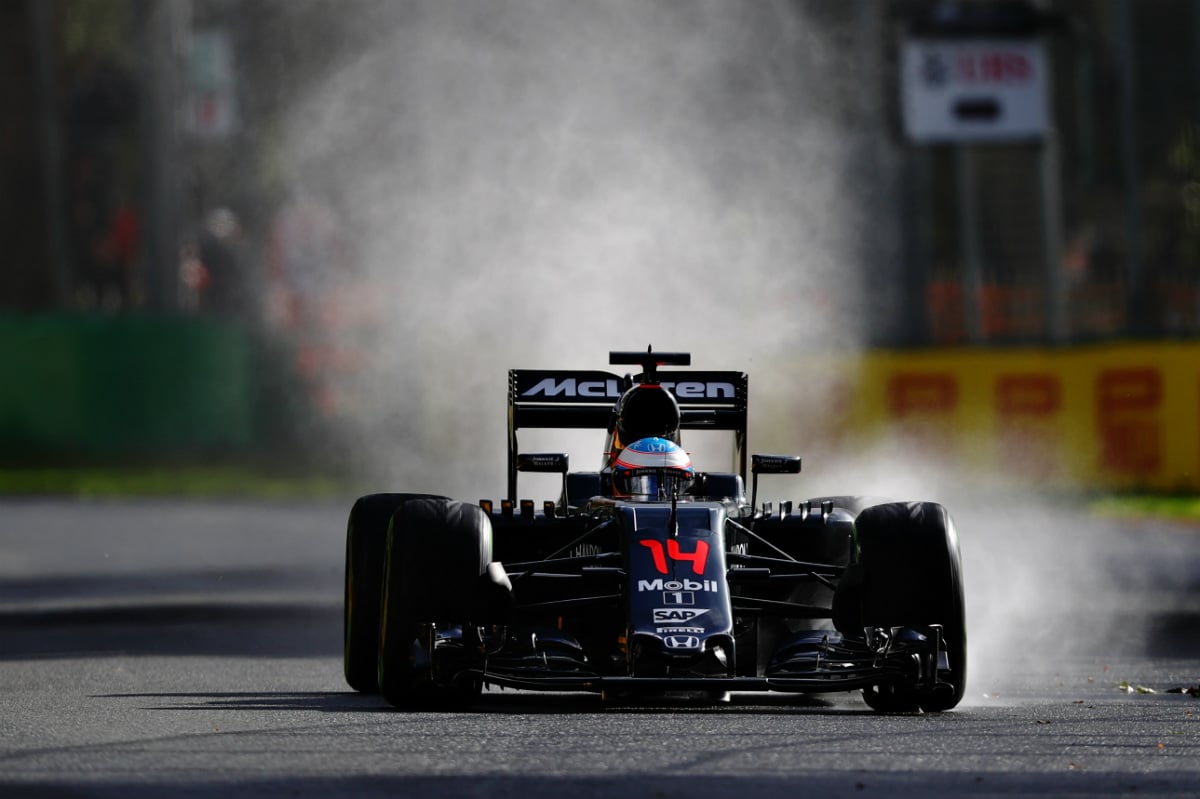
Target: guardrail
x: 1103, y: 416
x: 104, y: 386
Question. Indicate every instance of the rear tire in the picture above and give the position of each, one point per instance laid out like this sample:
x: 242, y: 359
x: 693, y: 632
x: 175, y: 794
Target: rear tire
x: 911, y: 574
x: 366, y: 538
x: 437, y: 550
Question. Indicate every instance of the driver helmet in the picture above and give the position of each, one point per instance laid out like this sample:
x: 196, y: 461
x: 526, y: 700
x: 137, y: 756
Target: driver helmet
x: 652, y: 468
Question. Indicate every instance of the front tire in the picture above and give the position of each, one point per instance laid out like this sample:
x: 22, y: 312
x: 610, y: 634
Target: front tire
x: 366, y: 539
x: 437, y: 551
x: 911, y: 574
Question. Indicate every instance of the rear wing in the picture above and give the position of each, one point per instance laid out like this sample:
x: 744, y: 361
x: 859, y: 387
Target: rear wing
x: 585, y: 400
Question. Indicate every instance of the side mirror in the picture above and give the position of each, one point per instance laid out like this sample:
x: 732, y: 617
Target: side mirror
x: 775, y: 464
x: 551, y: 462
x: 770, y: 464
x: 545, y: 462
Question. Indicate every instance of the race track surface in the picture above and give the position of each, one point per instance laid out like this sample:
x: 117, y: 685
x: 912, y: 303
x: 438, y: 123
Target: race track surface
x: 161, y: 649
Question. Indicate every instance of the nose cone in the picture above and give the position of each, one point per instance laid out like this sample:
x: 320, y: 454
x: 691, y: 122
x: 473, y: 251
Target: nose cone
x: 682, y: 655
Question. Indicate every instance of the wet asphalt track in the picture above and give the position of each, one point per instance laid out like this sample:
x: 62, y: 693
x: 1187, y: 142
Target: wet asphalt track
x: 160, y: 649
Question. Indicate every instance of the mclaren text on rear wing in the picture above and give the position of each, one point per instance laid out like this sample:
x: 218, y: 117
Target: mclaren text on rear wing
x: 584, y: 399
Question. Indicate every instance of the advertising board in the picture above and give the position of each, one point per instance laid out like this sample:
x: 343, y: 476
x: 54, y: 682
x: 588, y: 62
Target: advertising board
x: 974, y: 90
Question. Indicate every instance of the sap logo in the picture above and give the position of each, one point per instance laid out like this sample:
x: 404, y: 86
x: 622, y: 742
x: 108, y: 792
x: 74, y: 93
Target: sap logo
x: 665, y: 615
x: 680, y: 630
x: 682, y: 641
x: 677, y: 585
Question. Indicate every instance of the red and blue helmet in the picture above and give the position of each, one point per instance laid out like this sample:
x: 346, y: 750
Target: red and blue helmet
x: 652, y: 468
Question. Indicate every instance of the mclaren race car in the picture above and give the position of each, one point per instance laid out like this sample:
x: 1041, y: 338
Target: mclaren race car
x: 647, y: 577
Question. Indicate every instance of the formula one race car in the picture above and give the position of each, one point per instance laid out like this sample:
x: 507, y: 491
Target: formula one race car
x: 647, y: 577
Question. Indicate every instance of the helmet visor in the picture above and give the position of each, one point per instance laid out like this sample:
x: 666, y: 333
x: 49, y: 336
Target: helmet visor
x: 653, y: 484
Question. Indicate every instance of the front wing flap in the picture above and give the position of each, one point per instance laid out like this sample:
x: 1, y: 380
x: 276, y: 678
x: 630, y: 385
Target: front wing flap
x: 825, y: 663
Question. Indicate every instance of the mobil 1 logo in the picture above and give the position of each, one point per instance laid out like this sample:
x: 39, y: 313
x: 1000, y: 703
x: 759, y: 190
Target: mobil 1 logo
x: 676, y: 586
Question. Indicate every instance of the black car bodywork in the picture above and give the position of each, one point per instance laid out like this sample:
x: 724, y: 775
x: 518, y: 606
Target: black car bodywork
x: 699, y: 593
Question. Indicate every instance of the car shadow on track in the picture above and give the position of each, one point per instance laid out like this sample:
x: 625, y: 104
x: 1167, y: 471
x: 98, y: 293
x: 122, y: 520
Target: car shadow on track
x: 498, y: 703
x: 326, y: 702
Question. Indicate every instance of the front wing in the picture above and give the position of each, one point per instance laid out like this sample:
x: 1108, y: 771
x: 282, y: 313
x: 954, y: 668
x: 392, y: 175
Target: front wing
x: 824, y: 663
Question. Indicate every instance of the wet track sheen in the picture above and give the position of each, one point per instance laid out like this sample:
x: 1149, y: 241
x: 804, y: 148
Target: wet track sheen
x: 157, y: 649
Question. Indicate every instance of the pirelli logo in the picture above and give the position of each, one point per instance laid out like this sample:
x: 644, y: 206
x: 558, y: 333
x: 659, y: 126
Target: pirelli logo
x: 610, y: 389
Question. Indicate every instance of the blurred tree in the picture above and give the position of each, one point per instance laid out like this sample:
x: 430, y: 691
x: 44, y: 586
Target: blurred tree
x: 23, y: 285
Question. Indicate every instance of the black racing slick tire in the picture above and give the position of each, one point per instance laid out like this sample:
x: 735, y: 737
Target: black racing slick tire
x: 437, y: 551
x: 366, y: 539
x: 911, y: 574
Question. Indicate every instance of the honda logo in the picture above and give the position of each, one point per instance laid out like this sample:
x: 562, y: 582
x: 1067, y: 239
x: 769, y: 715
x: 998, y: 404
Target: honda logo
x: 682, y: 642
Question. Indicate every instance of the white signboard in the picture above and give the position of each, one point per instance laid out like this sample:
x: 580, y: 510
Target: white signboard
x: 974, y: 90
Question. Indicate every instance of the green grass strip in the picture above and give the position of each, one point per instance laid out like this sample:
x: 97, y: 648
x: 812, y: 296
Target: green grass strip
x: 1172, y: 507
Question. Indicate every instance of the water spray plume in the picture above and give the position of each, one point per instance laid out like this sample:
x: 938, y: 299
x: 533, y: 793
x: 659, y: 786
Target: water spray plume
x: 534, y: 184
